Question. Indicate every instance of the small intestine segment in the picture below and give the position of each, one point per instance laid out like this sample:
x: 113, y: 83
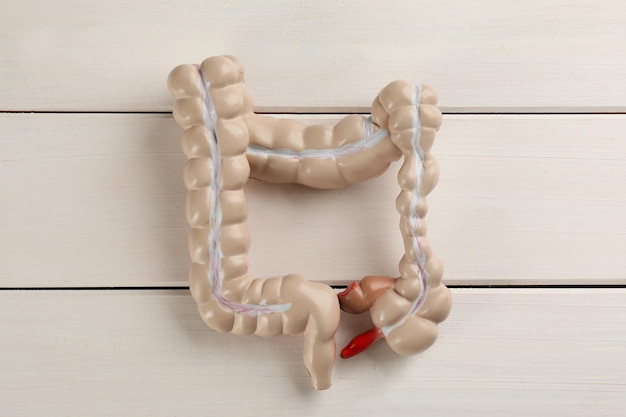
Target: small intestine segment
x: 227, y: 143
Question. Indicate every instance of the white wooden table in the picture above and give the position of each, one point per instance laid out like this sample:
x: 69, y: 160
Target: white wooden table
x: 529, y: 216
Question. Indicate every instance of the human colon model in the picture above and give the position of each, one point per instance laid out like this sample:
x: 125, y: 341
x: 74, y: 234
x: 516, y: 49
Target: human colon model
x: 226, y: 143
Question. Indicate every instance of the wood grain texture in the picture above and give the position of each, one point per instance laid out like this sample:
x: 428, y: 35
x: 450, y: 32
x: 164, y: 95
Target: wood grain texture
x: 98, y: 200
x: 147, y: 353
x: 320, y: 56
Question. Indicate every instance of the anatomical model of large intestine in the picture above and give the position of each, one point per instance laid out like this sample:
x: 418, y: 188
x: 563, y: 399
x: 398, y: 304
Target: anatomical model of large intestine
x: 226, y: 143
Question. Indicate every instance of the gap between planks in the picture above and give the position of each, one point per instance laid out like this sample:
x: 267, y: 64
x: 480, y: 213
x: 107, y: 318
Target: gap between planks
x: 343, y: 112
x: 334, y: 287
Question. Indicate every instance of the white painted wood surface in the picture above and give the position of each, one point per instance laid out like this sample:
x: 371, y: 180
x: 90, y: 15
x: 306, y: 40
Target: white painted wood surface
x: 96, y: 200
x: 538, y: 55
x: 147, y: 353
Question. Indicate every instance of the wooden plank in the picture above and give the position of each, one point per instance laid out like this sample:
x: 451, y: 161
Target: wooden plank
x: 514, y: 352
x: 97, y: 200
x: 493, y: 55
